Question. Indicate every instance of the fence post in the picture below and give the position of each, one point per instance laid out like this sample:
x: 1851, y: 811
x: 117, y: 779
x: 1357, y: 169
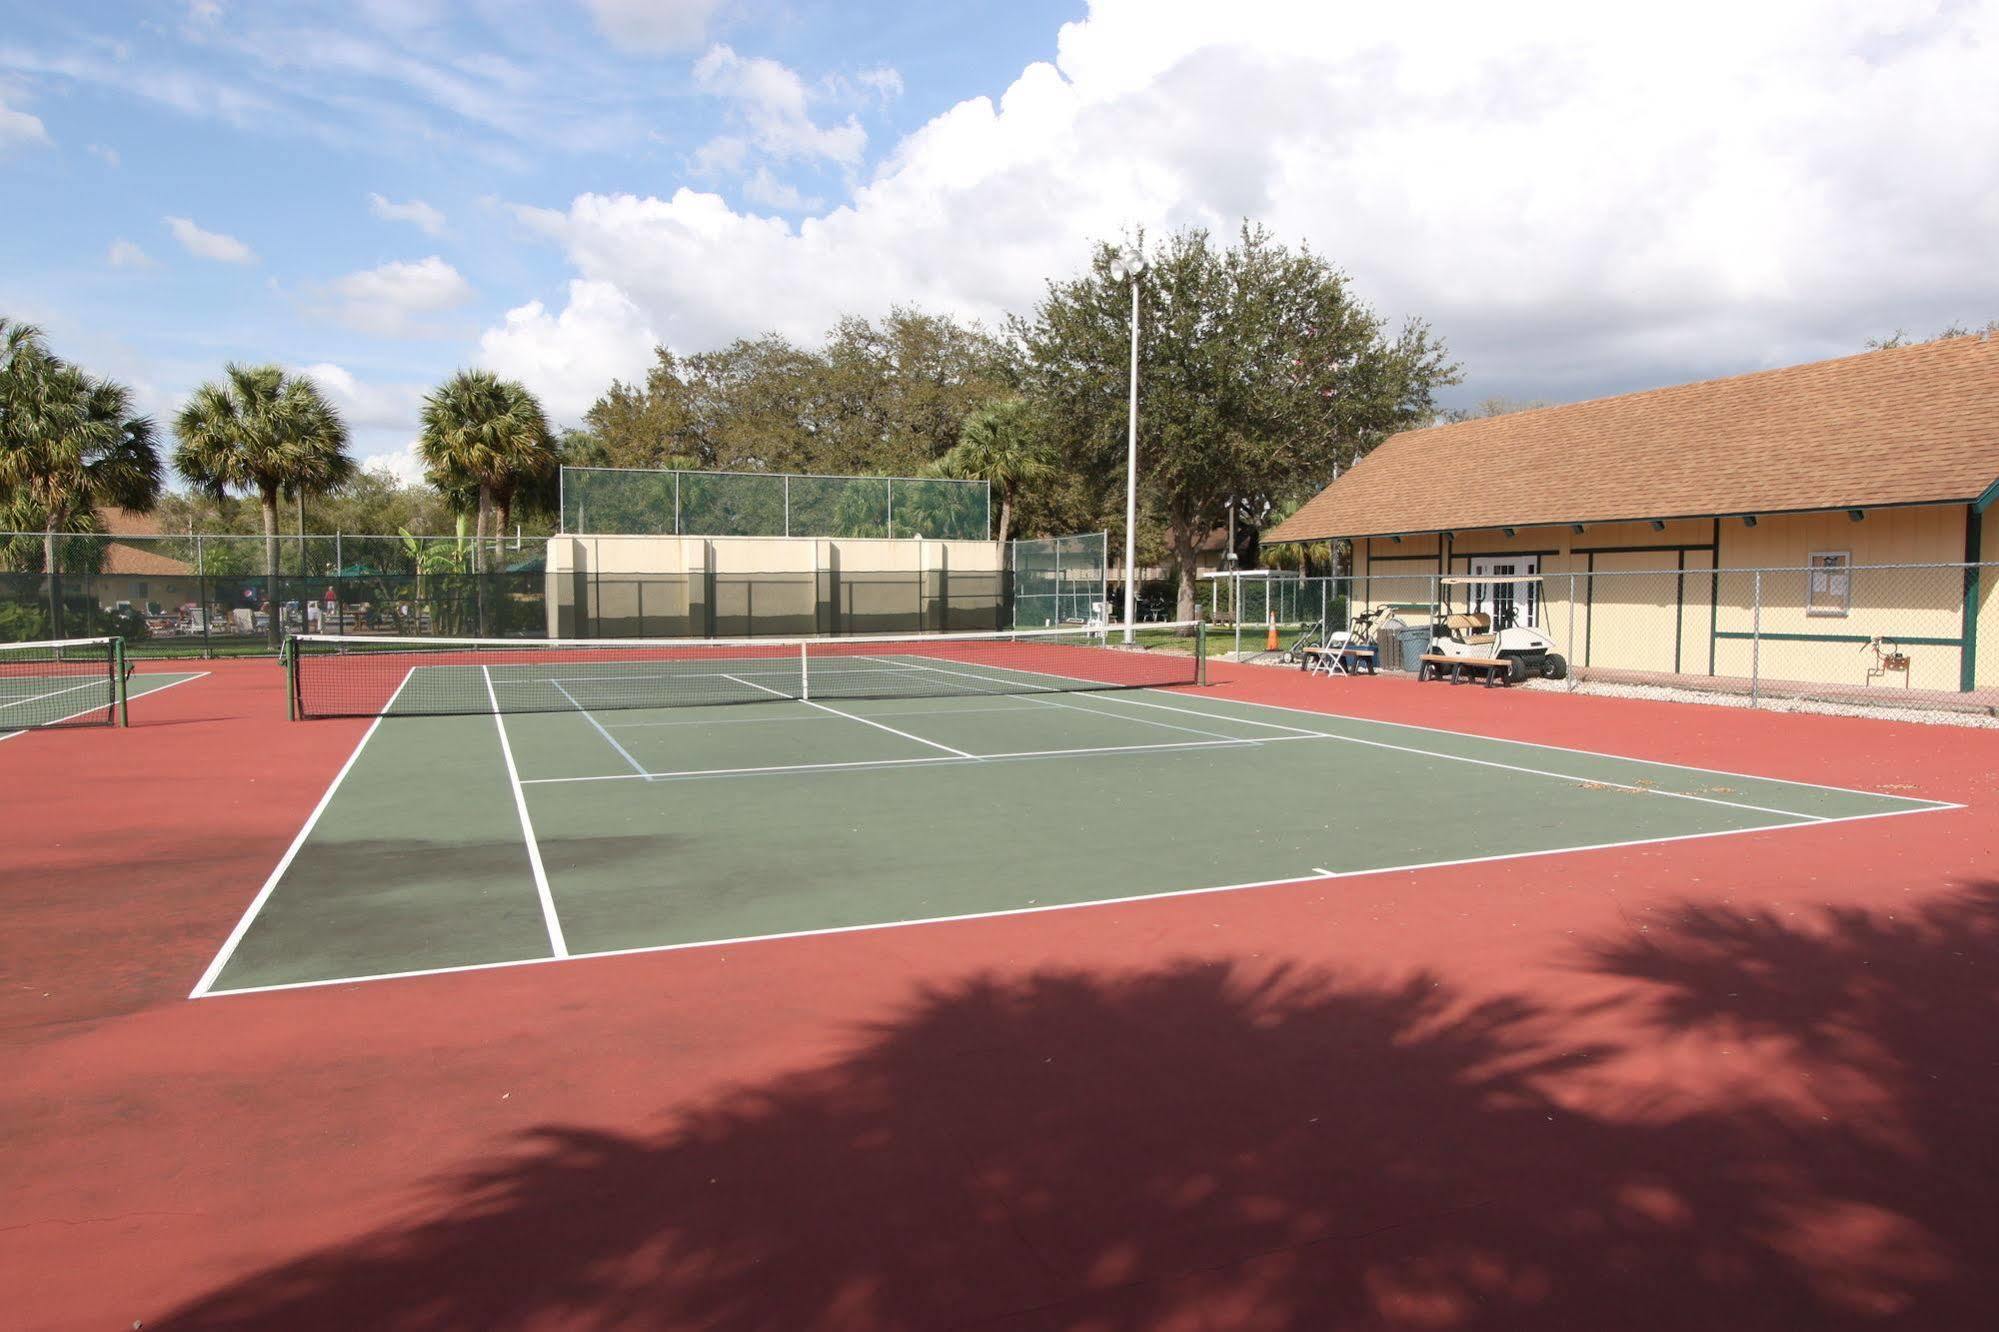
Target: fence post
x: 201, y: 590
x: 1570, y: 641
x: 1103, y: 567
x: 1756, y: 639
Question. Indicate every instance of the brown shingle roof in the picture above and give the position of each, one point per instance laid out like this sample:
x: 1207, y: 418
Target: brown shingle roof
x: 128, y: 522
x: 136, y: 561
x: 1910, y: 425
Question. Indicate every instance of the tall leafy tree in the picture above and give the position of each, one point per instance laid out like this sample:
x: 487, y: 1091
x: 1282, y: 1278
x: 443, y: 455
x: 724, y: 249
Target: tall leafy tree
x: 999, y: 445
x: 879, y: 396
x: 486, y: 438
x: 69, y: 443
x: 260, y: 430
x: 1259, y: 372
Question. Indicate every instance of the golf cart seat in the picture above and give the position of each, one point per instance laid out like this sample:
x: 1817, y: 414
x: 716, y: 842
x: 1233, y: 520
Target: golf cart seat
x: 1474, y: 628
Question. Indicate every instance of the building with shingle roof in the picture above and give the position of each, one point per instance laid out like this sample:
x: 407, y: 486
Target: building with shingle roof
x: 1867, y: 485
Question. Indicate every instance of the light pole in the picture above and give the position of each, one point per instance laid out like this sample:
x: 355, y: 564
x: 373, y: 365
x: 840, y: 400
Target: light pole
x: 1129, y: 266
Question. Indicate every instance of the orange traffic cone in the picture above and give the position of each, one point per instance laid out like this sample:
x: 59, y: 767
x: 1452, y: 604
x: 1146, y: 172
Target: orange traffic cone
x: 1270, y: 644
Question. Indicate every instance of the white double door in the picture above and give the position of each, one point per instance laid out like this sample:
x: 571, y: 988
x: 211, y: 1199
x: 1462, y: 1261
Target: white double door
x: 1523, y: 599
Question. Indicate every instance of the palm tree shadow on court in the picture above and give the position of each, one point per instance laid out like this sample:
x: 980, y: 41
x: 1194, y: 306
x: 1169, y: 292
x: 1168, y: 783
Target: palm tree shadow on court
x: 1226, y: 1144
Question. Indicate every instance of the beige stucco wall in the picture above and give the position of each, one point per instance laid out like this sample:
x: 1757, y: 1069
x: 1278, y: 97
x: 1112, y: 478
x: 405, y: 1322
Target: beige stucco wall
x: 653, y: 585
x: 1656, y: 605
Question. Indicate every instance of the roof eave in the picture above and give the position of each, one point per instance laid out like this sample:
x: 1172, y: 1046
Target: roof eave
x: 1989, y: 499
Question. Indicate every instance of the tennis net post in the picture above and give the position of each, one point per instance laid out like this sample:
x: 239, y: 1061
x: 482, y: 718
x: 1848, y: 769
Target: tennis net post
x: 120, y: 674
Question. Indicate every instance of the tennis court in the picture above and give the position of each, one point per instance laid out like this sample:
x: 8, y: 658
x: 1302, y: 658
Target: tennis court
x: 517, y: 803
x: 71, y: 682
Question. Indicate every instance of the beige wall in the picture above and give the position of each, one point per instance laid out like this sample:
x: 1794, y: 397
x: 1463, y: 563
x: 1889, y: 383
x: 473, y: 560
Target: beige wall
x: 654, y: 585
x: 1656, y: 603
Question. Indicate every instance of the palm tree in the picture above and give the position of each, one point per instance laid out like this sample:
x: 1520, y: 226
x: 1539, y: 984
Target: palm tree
x: 486, y: 435
x: 998, y: 444
x: 69, y: 443
x: 262, y: 430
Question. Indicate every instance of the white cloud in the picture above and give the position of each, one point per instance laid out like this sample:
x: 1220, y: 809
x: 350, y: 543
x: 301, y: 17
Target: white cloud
x: 204, y: 11
x: 404, y: 464
x: 18, y: 128
x: 883, y: 80
x: 1577, y: 198
x: 772, y: 103
x: 108, y: 156
x: 416, y: 212
x: 654, y: 25
x: 394, y: 299
x: 124, y: 254
x: 571, y: 358
x: 381, y: 418
x: 209, y: 244
x: 363, y: 405
x: 766, y: 189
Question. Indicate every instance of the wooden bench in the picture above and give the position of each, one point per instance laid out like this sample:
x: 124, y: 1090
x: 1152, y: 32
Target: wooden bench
x: 1344, y: 660
x: 1495, y: 669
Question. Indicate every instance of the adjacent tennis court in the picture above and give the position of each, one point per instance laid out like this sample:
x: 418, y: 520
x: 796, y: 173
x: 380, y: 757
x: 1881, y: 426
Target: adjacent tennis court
x: 518, y: 803
x: 71, y: 682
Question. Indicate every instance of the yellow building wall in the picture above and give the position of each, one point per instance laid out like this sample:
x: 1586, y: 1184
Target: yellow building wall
x: 1987, y: 617
x: 1650, y: 599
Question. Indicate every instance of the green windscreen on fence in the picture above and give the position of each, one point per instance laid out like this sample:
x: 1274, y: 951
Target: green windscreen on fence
x: 612, y: 501
x: 1059, y: 580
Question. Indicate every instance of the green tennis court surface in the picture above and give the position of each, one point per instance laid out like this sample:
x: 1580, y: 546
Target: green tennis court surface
x: 35, y: 699
x: 466, y: 841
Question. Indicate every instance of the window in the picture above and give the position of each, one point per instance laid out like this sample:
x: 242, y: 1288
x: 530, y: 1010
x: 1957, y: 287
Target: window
x: 1831, y: 588
x: 1507, y: 603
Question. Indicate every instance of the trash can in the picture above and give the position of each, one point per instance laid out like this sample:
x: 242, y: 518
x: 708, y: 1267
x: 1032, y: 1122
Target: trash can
x: 1414, y: 643
x: 1387, y: 644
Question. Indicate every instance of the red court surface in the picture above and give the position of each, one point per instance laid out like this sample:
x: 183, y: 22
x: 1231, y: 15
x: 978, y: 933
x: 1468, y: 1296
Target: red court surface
x: 1748, y: 1082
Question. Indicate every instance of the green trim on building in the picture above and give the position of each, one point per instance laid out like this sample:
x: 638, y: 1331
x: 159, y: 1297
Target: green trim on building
x: 1861, y: 639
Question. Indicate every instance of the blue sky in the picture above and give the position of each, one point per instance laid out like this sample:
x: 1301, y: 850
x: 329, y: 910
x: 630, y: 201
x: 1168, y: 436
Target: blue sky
x: 1581, y: 200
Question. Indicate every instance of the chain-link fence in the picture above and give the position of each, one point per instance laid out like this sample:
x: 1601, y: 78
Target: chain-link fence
x: 1060, y: 580
x: 196, y: 595
x: 1906, y: 635
x: 610, y: 501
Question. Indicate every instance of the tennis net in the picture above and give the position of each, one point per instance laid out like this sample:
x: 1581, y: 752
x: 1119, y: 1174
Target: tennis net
x: 70, y: 682
x: 333, y: 676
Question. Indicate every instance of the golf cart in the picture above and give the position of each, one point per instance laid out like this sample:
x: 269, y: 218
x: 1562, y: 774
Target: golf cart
x: 1471, y: 641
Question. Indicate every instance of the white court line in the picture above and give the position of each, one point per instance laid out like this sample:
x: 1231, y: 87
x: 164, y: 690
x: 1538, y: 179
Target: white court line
x: 1455, y: 758
x: 207, y: 981
x: 1466, y: 735
x: 851, y: 717
x: 781, y: 769
x: 788, y: 718
x: 1311, y: 877
x: 1535, y: 744
x: 103, y: 678
x: 132, y: 698
x: 1074, y: 707
x: 556, y: 942
x: 1470, y: 735
x: 612, y: 740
